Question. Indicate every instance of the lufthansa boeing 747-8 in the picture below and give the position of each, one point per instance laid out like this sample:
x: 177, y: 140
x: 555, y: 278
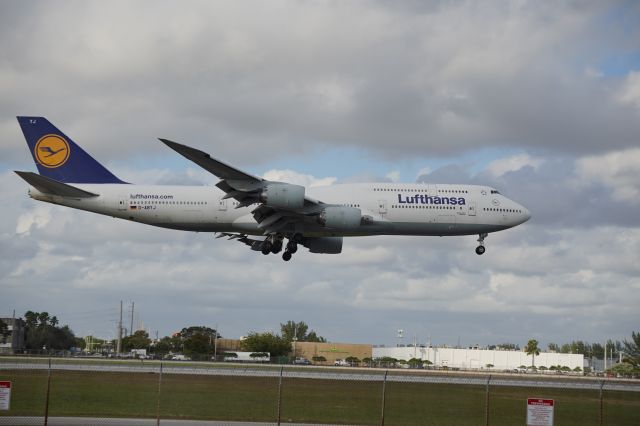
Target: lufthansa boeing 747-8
x: 268, y: 216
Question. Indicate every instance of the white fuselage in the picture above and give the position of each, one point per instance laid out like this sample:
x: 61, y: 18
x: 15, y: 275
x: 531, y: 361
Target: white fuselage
x: 392, y: 209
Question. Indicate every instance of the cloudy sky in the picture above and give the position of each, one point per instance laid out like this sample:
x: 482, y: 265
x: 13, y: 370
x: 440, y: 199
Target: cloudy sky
x: 541, y: 101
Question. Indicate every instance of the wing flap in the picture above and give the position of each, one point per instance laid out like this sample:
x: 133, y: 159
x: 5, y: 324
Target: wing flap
x: 53, y: 187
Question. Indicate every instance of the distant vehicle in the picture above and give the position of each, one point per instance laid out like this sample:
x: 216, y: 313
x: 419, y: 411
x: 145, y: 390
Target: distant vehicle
x: 302, y: 361
x: 180, y: 358
x: 341, y: 363
x: 139, y: 353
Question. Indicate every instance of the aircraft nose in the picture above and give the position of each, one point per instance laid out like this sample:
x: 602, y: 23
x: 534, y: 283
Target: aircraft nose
x: 526, y: 215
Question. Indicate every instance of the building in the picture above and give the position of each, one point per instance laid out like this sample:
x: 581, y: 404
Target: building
x: 14, y: 342
x: 476, y: 359
x: 332, y: 351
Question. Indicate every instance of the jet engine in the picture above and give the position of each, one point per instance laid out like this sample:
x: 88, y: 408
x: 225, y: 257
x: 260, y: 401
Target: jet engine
x: 283, y: 196
x: 326, y: 245
x: 339, y: 217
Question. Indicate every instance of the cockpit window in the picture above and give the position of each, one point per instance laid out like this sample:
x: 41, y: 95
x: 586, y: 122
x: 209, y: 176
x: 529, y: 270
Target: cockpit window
x: 493, y: 191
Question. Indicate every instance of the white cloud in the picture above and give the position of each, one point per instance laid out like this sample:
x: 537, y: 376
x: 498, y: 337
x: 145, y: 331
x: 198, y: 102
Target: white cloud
x: 630, y: 91
x: 393, y: 176
x: 40, y: 216
x: 504, y: 165
x: 619, y: 171
x: 291, y: 176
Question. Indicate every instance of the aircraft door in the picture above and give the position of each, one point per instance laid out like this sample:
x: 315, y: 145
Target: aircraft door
x: 472, y: 208
x: 222, y: 205
x: 382, y: 204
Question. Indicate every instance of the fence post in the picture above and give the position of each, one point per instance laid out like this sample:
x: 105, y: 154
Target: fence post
x: 280, y: 393
x: 158, y: 402
x: 46, y: 403
x: 601, y: 403
x: 384, y: 394
x: 486, y: 402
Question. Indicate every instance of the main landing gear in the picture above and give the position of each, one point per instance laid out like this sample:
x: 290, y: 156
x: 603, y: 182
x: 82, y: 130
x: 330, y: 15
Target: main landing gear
x: 480, y: 249
x: 292, y: 247
x: 274, y: 244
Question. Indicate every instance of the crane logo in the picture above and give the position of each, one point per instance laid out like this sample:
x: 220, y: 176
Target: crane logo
x: 52, y: 151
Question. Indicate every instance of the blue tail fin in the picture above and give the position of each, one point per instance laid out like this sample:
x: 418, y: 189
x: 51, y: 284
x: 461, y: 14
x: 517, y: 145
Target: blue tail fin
x: 58, y: 157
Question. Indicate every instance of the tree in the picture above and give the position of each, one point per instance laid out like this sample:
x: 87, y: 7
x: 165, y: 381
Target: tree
x: 553, y: 347
x: 292, y: 329
x: 43, y: 319
x: 31, y: 319
x: 509, y: 347
x: 489, y: 365
x: 313, y: 337
x: 632, y: 349
x: 533, y: 350
x: 352, y: 360
x: 4, y: 331
x: 266, y: 342
x: 138, y: 340
x: 415, y: 363
x: 319, y: 358
x: 42, y: 332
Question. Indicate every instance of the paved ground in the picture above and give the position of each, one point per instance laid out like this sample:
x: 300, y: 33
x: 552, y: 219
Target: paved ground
x: 85, y: 421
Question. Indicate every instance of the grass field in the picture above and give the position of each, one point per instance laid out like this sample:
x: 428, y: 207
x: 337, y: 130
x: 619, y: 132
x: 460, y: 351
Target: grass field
x: 108, y: 394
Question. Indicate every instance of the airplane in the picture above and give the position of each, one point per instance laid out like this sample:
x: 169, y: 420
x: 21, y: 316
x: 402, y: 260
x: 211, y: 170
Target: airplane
x: 267, y: 216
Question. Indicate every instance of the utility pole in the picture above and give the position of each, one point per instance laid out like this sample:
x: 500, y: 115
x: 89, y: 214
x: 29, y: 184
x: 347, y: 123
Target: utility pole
x: 215, y: 345
x: 295, y: 339
x: 131, y: 328
x: 119, y: 345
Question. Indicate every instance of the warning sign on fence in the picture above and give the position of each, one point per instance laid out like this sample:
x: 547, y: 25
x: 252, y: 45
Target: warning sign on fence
x: 5, y: 395
x: 539, y: 412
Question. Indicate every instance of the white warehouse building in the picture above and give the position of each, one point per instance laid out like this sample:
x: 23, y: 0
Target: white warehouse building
x: 479, y: 358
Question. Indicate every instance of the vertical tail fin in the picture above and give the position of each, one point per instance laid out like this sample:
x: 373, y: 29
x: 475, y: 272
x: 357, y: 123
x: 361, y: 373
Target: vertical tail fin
x: 58, y: 157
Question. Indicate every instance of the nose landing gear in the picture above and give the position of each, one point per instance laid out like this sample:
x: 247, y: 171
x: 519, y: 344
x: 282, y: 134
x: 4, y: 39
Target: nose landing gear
x: 480, y: 249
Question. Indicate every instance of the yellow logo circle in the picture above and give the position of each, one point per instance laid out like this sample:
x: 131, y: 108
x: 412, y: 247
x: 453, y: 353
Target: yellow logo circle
x: 52, y: 151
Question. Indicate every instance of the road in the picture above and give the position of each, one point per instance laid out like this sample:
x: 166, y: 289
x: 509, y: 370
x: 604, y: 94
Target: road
x: 334, y: 374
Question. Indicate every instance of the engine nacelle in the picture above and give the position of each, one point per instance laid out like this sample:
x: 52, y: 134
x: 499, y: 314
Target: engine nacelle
x: 283, y: 196
x: 327, y: 245
x: 342, y: 218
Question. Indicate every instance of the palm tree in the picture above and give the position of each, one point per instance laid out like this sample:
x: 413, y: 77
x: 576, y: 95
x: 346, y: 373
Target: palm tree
x: 31, y: 319
x: 43, y: 317
x: 533, y: 350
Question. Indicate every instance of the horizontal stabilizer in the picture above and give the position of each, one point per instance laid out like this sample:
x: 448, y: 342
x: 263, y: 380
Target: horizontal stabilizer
x: 53, y: 187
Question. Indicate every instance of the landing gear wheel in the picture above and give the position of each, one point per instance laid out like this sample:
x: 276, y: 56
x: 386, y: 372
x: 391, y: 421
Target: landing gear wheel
x: 286, y: 256
x: 292, y: 247
x: 276, y: 247
x: 266, y: 247
x: 480, y: 249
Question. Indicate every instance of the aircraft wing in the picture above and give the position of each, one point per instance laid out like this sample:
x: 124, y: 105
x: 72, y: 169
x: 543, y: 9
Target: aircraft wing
x: 255, y: 244
x: 248, y: 189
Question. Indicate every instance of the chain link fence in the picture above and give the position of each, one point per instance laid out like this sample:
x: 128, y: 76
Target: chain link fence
x: 142, y: 392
